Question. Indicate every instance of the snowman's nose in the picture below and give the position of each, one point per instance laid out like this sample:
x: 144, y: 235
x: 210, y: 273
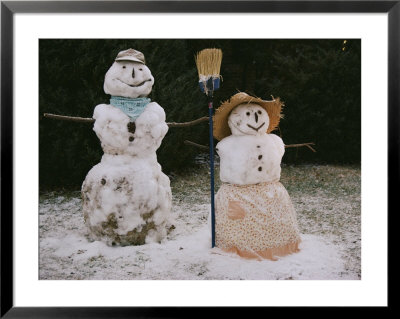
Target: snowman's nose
x: 256, y: 116
x: 133, y: 73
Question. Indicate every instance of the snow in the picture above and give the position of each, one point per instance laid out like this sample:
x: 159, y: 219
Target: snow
x: 128, y: 79
x: 66, y: 253
x: 248, y: 119
x: 111, y: 129
x: 250, y: 159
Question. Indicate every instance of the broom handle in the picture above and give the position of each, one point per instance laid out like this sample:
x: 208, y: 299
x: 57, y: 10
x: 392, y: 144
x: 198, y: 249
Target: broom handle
x: 210, y: 115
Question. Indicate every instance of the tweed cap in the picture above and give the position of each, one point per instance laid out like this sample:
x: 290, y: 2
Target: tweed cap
x: 220, y: 126
x: 131, y: 55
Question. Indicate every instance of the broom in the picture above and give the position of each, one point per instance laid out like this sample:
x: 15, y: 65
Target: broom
x: 208, y: 62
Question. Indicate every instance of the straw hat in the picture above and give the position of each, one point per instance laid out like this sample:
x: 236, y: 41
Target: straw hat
x: 131, y: 55
x: 221, y: 127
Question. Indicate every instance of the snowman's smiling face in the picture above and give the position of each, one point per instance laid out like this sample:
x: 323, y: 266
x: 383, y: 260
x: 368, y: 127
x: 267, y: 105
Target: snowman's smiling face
x: 128, y: 79
x: 248, y: 119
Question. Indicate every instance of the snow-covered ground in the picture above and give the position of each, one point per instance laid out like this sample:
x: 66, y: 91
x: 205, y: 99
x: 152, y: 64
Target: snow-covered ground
x: 326, y: 198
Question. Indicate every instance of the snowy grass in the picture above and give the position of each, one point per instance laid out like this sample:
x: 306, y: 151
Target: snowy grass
x: 328, y: 204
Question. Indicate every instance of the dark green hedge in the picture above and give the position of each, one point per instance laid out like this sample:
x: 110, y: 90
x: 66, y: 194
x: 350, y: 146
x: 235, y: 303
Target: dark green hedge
x: 319, y: 81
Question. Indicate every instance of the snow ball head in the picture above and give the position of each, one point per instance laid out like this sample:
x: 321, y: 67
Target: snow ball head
x: 128, y: 79
x: 248, y: 119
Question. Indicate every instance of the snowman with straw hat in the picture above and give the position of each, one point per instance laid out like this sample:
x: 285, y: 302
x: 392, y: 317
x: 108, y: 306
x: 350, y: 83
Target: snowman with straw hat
x: 254, y: 216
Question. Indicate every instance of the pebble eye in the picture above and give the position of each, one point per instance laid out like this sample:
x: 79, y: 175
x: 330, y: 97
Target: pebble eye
x: 248, y: 113
x: 140, y: 69
x: 259, y: 112
x: 124, y: 67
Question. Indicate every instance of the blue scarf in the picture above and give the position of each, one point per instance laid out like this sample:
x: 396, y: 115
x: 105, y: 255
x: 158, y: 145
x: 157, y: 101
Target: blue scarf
x: 131, y: 107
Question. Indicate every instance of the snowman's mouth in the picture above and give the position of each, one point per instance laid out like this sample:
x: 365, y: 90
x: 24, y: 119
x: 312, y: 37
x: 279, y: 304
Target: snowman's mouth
x: 256, y: 128
x: 135, y: 85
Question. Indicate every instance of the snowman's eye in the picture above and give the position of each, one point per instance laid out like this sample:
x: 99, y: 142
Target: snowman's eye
x: 140, y: 69
x: 259, y: 112
x: 248, y: 113
x: 124, y: 67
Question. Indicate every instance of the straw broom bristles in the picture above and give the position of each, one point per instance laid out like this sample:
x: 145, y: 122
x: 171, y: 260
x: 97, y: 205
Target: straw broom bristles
x: 208, y: 62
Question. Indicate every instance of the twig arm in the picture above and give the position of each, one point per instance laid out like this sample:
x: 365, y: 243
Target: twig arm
x: 69, y: 118
x: 204, y: 147
x: 302, y: 144
x: 184, y: 124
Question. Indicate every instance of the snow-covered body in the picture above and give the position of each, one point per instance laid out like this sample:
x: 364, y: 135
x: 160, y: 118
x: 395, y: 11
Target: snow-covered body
x: 111, y: 127
x: 126, y: 197
x: 250, y: 159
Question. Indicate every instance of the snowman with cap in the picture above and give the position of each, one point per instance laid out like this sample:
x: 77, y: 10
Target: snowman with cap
x: 254, y: 216
x: 126, y: 197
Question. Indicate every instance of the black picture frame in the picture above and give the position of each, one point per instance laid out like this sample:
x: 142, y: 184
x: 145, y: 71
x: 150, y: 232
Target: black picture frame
x: 9, y: 8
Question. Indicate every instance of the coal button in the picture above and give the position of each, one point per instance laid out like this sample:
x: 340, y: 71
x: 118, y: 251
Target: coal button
x: 131, y: 127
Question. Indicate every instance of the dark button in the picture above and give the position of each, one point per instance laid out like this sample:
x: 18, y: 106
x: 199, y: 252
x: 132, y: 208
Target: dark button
x: 259, y: 157
x: 103, y: 181
x: 131, y: 138
x: 260, y: 168
x: 258, y: 146
x: 131, y: 127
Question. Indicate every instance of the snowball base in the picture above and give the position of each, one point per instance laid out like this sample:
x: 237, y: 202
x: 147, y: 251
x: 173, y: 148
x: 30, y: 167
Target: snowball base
x: 126, y: 201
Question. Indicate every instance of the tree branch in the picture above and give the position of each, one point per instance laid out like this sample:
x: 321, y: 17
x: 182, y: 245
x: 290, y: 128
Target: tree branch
x: 205, y: 147
x: 69, y: 118
x: 303, y: 144
x: 184, y: 124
